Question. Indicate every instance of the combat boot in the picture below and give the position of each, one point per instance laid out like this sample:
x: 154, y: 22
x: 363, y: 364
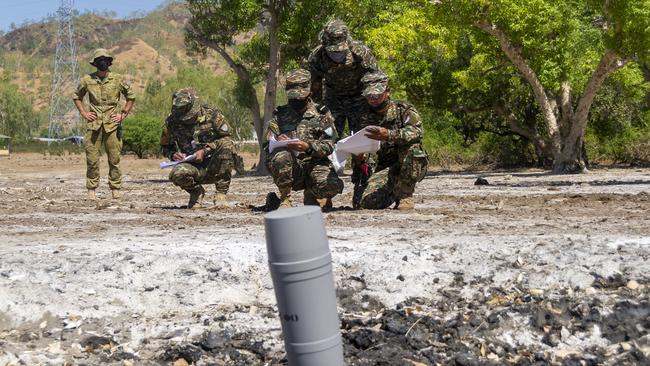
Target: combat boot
x: 406, y: 203
x: 325, y: 203
x: 309, y: 199
x: 196, y: 196
x: 117, y: 194
x: 220, y: 200
x: 91, y: 195
x: 272, y: 202
x: 285, y: 198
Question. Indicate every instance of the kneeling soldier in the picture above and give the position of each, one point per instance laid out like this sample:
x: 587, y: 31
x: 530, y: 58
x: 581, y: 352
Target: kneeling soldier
x: 401, y: 160
x: 302, y: 164
x: 193, y: 128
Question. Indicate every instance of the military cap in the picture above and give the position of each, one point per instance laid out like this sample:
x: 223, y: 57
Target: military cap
x: 335, y: 36
x: 100, y: 52
x: 374, y: 83
x: 185, y: 102
x: 298, y: 84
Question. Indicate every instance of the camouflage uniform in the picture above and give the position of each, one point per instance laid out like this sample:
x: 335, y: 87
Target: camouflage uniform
x: 104, y: 98
x: 310, y: 170
x: 343, y: 79
x: 190, y: 127
x: 401, y: 160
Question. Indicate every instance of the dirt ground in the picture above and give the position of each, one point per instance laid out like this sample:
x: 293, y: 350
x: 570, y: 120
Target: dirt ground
x: 532, y: 269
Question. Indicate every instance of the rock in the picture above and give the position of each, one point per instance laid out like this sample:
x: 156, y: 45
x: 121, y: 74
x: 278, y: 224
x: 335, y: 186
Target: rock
x: 480, y: 181
x: 94, y: 342
x: 405, y: 258
x: 590, y: 290
x: 181, y: 362
x: 401, y: 278
x: 536, y: 292
x: 632, y: 285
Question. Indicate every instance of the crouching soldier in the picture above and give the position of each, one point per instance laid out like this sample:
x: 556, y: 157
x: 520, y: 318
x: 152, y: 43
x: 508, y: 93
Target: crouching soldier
x: 401, y: 160
x: 195, y: 128
x: 302, y: 164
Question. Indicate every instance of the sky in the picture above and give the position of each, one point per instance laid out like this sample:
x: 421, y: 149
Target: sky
x: 18, y: 11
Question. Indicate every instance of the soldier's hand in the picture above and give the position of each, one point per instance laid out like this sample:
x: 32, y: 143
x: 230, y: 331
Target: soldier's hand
x: 178, y: 156
x: 200, y: 155
x: 90, y: 116
x: 283, y: 137
x: 377, y: 133
x: 300, y: 146
x: 117, y: 118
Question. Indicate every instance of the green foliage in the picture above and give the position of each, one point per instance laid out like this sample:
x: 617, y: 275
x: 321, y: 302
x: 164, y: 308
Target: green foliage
x: 216, y: 91
x: 141, y: 135
x: 17, y: 117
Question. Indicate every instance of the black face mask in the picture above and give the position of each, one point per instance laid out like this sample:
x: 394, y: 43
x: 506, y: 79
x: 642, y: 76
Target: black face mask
x: 102, y: 64
x: 379, y: 107
x: 338, y: 57
x: 298, y: 104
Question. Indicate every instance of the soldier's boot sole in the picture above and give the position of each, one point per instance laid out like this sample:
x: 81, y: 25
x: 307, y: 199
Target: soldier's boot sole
x: 116, y: 193
x: 325, y: 203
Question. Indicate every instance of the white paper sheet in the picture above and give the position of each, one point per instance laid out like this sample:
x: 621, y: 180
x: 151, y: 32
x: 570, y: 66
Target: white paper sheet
x: 167, y: 164
x: 275, y: 144
x: 356, y: 144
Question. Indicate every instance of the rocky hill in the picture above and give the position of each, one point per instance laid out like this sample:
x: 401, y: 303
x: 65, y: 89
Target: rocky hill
x: 144, y: 48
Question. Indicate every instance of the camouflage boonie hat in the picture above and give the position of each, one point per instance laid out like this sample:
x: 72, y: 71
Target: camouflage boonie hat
x: 335, y: 36
x: 185, y: 101
x: 298, y: 84
x: 374, y: 83
x: 100, y: 52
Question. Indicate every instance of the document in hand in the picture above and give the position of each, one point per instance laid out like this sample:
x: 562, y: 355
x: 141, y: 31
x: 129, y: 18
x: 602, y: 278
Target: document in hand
x: 167, y: 164
x: 275, y: 144
x: 356, y: 144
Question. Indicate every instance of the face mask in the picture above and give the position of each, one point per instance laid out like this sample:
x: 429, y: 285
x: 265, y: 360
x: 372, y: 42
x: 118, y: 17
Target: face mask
x: 102, y: 64
x: 379, y: 107
x: 338, y: 57
x: 298, y: 104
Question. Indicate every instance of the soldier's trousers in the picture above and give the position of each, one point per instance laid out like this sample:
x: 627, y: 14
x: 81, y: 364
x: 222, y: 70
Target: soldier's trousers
x: 348, y: 107
x: 215, y: 169
x: 392, y: 183
x: 288, y: 172
x: 93, y: 143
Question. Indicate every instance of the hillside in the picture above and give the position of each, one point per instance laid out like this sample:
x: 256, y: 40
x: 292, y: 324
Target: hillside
x: 147, y: 48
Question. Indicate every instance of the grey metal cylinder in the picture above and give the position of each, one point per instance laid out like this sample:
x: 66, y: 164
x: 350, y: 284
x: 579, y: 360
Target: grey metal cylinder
x: 301, y: 268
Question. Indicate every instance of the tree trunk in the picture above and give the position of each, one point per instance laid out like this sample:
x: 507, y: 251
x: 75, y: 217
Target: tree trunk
x: 570, y: 159
x: 271, y: 78
x: 244, y: 78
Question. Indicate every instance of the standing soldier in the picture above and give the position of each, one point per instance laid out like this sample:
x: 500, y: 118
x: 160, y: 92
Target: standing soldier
x: 401, y: 160
x: 104, y: 120
x: 340, y: 63
x: 193, y: 128
x: 302, y: 164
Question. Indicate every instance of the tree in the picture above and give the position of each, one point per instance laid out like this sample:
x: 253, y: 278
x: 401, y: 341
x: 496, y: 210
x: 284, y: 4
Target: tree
x: 272, y: 28
x: 17, y: 117
x: 564, y: 51
x: 141, y: 134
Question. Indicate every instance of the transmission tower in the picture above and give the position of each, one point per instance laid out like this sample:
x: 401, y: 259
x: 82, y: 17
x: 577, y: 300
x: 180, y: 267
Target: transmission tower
x: 64, y: 118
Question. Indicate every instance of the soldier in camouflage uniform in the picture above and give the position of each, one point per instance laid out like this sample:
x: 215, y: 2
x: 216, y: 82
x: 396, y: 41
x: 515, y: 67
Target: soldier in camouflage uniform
x: 303, y: 164
x: 340, y: 63
x: 401, y: 160
x: 195, y: 128
x: 104, y: 120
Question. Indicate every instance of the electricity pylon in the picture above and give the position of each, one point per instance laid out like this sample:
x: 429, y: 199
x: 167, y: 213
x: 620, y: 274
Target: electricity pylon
x: 64, y: 119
